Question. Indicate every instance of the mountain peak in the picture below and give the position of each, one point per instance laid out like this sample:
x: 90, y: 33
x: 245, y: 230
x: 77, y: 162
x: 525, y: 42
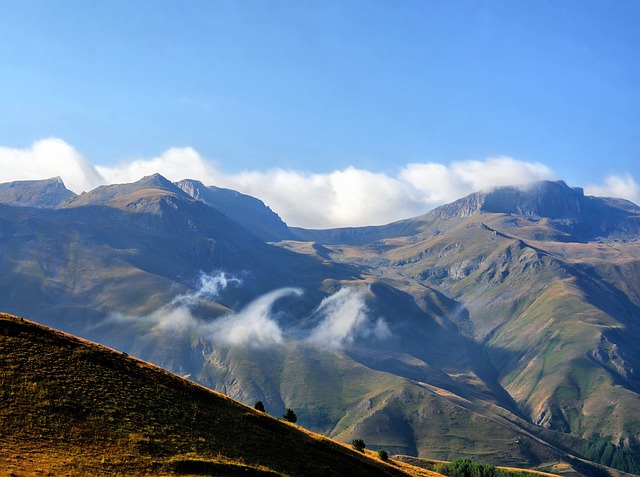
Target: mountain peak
x: 552, y: 199
x: 194, y: 188
x: 119, y: 194
x: 41, y: 194
x: 155, y: 180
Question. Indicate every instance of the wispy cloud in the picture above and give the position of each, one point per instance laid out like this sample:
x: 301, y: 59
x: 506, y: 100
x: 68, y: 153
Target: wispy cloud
x: 346, y: 197
x: 255, y: 325
x: 344, y: 317
x: 209, y: 288
x: 339, y: 319
x: 616, y: 186
x: 49, y: 158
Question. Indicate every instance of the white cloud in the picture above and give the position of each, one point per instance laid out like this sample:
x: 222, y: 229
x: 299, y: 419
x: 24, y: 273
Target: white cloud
x: 342, y: 198
x: 49, y: 158
x: 441, y: 184
x: 616, y: 186
x: 348, y: 197
x: 341, y: 317
x: 345, y: 317
x: 209, y: 288
x: 253, y: 326
x: 175, y: 164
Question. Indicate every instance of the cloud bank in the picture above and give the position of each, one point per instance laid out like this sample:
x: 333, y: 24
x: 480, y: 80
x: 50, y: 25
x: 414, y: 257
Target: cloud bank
x: 339, y: 319
x: 347, y: 197
x: 616, y: 186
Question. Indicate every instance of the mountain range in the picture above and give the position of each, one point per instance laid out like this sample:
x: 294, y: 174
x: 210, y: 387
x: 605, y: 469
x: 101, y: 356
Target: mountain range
x: 503, y: 327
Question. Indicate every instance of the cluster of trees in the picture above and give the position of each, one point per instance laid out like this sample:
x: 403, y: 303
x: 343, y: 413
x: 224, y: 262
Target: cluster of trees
x: 359, y: 445
x: 469, y: 468
x: 601, y: 450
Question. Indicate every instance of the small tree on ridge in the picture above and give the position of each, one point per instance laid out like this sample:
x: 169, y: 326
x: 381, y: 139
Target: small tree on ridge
x: 290, y: 415
x: 358, y: 444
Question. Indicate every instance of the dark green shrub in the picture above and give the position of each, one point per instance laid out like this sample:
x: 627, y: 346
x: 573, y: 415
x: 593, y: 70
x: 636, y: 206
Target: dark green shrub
x: 382, y: 454
x: 259, y: 406
x: 290, y: 416
x: 358, y: 444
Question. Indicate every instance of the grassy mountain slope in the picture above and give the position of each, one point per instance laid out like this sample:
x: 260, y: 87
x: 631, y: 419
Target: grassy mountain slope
x: 556, y: 318
x: 558, y: 329
x: 70, y: 406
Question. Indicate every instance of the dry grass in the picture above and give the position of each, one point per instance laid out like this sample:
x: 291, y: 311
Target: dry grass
x: 71, y: 407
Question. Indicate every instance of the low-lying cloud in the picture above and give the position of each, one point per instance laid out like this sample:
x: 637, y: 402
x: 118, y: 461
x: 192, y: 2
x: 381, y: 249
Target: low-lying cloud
x: 209, y: 288
x: 344, y: 317
x: 346, y: 197
x: 339, y: 319
x: 255, y: 325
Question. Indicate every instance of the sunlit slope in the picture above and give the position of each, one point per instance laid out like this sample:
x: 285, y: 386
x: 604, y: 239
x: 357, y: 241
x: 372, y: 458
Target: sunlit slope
x: 556, y: 320
x: 75, y: 407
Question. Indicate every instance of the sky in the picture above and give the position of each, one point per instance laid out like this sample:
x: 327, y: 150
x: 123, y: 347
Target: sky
x: 334, y: 113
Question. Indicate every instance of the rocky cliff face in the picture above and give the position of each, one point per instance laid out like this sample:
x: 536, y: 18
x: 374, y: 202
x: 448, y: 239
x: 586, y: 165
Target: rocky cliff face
x: 582, y: 218
x: 549, y: 199
x: 554, y: 200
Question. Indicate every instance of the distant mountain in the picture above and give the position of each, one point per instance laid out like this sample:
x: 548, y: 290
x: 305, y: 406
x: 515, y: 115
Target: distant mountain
x: 42, y: 194
x: 583, y: 218
x: 69, y: 405
x: 502, y: 327
x: 578, y: 217
x: 248, y: 211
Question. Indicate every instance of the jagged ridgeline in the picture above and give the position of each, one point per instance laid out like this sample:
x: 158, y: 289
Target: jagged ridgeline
x: 503, y: 327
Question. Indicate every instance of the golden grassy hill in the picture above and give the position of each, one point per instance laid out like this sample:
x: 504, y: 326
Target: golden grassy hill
x: 71, y: 407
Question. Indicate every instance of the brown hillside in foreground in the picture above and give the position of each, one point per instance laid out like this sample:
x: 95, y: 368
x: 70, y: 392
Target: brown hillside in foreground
x: 71, y: 407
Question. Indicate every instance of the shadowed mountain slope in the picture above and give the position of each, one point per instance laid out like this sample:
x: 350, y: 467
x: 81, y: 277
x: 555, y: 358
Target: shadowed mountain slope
x: 248, y: 211
x: 130, y: 249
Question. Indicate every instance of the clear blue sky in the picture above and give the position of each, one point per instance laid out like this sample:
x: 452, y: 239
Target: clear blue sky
x: 321, y: 85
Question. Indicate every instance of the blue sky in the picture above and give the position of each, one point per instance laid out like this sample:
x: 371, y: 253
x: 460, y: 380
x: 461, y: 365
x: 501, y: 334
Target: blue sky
x: 321, y: 86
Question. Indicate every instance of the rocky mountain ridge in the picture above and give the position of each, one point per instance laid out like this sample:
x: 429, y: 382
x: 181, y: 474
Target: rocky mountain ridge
x: 503, y: 325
